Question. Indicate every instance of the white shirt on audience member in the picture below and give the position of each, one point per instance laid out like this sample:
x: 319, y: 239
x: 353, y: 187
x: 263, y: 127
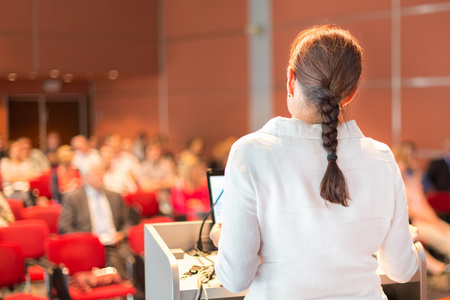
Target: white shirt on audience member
x: 283, y: 241
x: 101, y: 216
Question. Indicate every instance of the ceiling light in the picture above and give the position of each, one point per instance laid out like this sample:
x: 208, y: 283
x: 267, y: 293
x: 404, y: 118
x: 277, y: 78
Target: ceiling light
x: 67, y: 77
x: 54, y: 73
x: 113, y: 74
x: 12, y: 76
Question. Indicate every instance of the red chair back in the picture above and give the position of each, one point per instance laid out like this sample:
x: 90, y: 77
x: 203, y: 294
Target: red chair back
x: 145, y: 203
x: 49, y: 214
x: 79, y: 251
x: 16, y: 207
x: 136, y: 233
x: 439, y: 201
x: 40, y: 186
x: 28, y: 234
x: 12, y: 268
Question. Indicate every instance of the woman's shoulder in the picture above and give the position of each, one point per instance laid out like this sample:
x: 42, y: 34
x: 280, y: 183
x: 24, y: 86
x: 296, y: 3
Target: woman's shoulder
x: 377, y: 150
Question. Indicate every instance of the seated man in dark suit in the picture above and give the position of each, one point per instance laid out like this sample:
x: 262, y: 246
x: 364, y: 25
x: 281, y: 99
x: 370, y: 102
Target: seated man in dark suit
x: 94, y: 209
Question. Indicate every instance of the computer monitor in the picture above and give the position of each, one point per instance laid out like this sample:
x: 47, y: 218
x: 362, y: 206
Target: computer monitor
x: 215, y: 186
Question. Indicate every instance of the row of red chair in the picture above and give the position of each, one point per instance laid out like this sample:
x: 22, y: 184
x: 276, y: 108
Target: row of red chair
x: 77, y: 252
x: 50, y: 214
x: 440, y: 202
x: 144, y: 203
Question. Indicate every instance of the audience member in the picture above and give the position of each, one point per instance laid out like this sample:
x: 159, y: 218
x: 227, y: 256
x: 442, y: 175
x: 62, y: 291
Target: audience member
x: 53, y: 142
x: 195, y: 146
x: 16, y: 173
x: 157, y: 172
x: 2, y: 147
x: 94, y: 142
x: 35, y: 156
x: 95, y: 209
x: 190, y: 198
x: 6, y: 214
x: 115, y: 180
x: 83, y: 153
x: 139, y: 145
x: 433, y: 232
x: 220, y: 153
x: 66, y: 177
x: 439, y: 170
x: 123, y: 161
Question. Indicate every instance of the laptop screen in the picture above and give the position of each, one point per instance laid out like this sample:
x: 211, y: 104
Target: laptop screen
x: 215, y: 186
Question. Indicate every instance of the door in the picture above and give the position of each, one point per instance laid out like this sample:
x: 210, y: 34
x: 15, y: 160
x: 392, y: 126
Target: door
x: 35, y: 115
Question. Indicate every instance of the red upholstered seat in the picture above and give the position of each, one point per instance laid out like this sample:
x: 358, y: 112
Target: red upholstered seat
x: 144, y: 203
x: 77, y: 251
x: 12, y: 267
x: 136, y: 233
x: 40, y: 186
x: 30, y: 236
x: 81, y: 252
x: 49, y: 214
x: 12, y: 270
x: 440, y: 201
x: 16, y: 207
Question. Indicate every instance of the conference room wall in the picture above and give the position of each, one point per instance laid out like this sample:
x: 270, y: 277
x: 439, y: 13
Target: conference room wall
x: 207, y: 72
x: 208, y: 67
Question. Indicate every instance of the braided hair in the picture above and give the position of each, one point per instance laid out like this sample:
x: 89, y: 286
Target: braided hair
x: 327, y: 63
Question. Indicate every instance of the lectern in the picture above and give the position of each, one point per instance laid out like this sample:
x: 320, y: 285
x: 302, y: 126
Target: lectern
x: 163, y: 271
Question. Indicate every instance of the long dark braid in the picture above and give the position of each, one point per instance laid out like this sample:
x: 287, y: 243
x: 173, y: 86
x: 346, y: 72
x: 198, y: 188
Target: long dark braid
x: 333, y: 186
x: 327, y: 65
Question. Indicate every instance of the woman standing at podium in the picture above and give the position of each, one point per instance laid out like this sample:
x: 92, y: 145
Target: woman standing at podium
x: 309, y: 199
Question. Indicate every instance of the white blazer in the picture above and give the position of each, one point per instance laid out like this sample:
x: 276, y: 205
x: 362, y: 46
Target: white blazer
x: 283, y: 241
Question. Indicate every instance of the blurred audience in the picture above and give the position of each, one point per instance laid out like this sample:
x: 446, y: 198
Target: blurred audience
x: 139, y: 145
x: 220, y: 153
x: 35, y: 156
x: 96, y: 209
x: 439, y: 170
x: 94, y: 142
x: 83, y: 152
x: 16, y: 172
x: 115, y: 180
x: 2, y: 147
x: 195, y: 146
x: 190, y: 198
x: 156, y: 172
x: 122, y: 161
x: 6, y: 214
x: 53, y: 142
x: 433, y: 232
x: 66, y: 177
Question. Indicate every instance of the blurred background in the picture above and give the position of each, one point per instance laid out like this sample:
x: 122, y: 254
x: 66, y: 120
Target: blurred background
x: 211, y: 68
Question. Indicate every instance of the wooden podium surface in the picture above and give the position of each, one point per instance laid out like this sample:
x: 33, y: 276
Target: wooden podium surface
x: 163, y: 271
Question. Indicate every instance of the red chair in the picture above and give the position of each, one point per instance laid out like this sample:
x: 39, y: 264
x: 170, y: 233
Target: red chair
x: 16, y: 207
x: 440, y: 202
x: 144, y: 203
x: 50, y: 214
x: 136, y: 243
x: 30, y: 236
x: 12, y: 270
x: 80, y: 252
x: 41, y: 186
x: 136, y: 233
